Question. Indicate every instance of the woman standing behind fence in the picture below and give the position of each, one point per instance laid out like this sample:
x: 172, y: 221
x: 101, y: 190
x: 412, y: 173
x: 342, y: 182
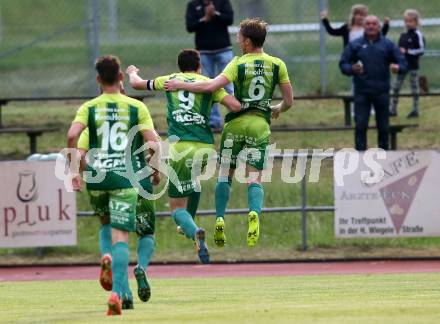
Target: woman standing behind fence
x: 355, y: 26
x: 352, y: 30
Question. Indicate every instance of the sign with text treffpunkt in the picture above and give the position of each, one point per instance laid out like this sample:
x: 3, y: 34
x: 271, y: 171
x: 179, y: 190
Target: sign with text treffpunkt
x: 402, y: 201
x: 35, y: 208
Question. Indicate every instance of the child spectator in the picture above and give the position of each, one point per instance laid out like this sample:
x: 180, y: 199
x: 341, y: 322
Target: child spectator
x: 412, y: 44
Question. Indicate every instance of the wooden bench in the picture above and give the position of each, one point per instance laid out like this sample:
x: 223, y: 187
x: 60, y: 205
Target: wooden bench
x: 347, y: 100
x: 32, y: 133
x: 5, y: 101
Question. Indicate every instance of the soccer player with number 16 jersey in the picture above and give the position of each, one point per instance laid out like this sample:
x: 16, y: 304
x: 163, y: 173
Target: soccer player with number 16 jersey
x: 246, y: 134
x: 109, y: 119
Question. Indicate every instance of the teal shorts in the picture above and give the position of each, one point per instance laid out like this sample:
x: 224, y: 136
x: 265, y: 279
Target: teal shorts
x: 245, y: 138
x: 186, y: 160
x: 127, y: 210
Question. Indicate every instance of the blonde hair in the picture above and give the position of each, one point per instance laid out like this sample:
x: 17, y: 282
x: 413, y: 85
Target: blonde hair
x: 255, y: 29
x: 356, y: 10
x: 412, y: 13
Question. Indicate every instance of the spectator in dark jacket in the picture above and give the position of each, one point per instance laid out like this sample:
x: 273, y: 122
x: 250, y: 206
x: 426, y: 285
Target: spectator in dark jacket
x: 354, y: 28
x: 412, y: 44
x: 369, y: 59
x: 209, y: 20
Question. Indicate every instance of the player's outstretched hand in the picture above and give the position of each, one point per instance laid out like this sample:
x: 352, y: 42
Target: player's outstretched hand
x: 323, y: 14
x: 131, y: 69
x: 172, y: 85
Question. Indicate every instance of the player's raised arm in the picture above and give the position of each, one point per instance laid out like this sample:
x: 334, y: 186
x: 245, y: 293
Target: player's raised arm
x: 135, y: 80
x: 138, y: 83
x: 227, y: 76
x: 199, y: 86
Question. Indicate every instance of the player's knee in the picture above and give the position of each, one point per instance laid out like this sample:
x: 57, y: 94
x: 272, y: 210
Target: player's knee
x: 178, y: 203
x: 254, y: 182
x: 119, y: 236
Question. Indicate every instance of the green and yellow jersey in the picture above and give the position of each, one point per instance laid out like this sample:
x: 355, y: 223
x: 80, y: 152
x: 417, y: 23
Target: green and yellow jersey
x: 109, y: 119
x: 83, y: 144
x: 83, y: 141
x: 255, y: 77
x: 188, y: 113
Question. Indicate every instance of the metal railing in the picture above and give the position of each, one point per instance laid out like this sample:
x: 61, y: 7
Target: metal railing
x: 304, y: 208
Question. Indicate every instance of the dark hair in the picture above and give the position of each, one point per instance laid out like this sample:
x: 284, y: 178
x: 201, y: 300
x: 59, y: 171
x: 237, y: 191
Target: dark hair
x: 255, y: 29
x: 188, y: 60
x: 108, y: 68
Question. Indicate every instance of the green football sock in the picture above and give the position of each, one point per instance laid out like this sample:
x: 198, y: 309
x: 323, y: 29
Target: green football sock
x: 145, y: 250
x: 120, y: 258
x: 255, y: 197
x: 105, y: 239
x: 183, y: 219
x: 222, y: 193
x: 193, y: 203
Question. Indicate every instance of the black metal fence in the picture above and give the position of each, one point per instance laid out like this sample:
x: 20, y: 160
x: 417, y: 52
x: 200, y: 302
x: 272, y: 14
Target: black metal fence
x: 47, y: 48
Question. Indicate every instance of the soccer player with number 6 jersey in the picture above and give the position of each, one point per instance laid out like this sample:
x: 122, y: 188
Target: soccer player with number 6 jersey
x: 245, y: 137
x: 188, y: 120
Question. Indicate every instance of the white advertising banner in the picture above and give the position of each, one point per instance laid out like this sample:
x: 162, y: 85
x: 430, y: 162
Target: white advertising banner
x: 404, y: 203
x: 35, y: 209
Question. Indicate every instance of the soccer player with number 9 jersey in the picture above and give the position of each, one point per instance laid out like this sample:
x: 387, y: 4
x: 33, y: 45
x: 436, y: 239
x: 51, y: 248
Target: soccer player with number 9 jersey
x: 245, y: 137
x: 188, y: 120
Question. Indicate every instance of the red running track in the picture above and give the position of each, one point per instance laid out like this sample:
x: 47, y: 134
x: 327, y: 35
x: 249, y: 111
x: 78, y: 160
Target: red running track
x: 45, y: 273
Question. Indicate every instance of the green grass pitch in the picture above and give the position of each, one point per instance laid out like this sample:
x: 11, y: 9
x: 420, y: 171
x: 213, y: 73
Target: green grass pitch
x: 406, y: 298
